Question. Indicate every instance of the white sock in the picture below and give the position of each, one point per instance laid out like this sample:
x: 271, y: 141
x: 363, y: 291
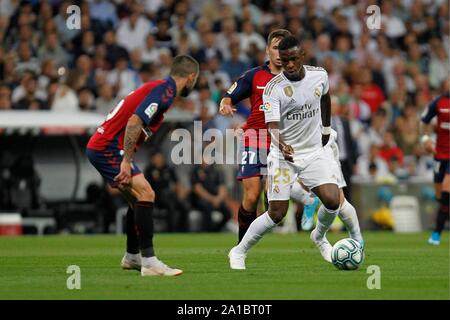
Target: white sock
x: 149, y: 261
x: 325, y: 218
x: 301, y: 195
x: 257, y: 229
x: 133, y: 256
x: 347, y: 214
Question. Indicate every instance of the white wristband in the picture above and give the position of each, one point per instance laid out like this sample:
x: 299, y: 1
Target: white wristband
x: 326, y: 130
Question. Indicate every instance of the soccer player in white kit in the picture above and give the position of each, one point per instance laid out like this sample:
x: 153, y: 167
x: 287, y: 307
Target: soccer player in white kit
x: 298, y: 113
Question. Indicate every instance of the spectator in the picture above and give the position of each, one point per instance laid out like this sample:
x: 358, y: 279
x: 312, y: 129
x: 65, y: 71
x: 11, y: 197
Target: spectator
x: 85, y: 44
x: 26, y: 60
x: 374, y: 134
x: 224, y: 38
x: 65, y: 100
x: 214, y: 74
x: 209, y: 194
x: 170, y: 193
x: 182, y: 26
x: 86, y: 99
x: 146, y: 73
x: 83, y: 75
x: 113, y: 50
x: 162, y: 35
x: 66, y: 35
x: 323, y: 48
x: 205, y: 108
x: 439, y: 66
x: 52, y: 50
x: 347, y: 150
x: 133, y: 30
x: 392, y: 25
x: 208, y: 50
x: 104, y: 12
x: 359, y: 108
x: 407, y: 130
x: 30, y: 99
x: 389, y: 150
x: 135, y: 63
x: 371, y: 165
x: 52, y: 89
x: 371, y: 93
x: 5, y: 98
x: 105, y: 102
x: 122, y: 79
x: 28, y: 87
x: 9, y: 76
x: 48, y: 72
x: 249, y: 36
x: 235, y: 66
x: 150, y: 53
x: 165, y: 62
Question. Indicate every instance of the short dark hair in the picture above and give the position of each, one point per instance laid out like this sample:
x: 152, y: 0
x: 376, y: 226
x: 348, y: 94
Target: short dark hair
x: 288, y: 43
x: 278, y: 34
x: 184, y: 65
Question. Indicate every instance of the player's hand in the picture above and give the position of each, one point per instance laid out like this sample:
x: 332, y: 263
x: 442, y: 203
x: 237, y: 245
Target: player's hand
x: 325, y: 139
x: 225, y: 108
x: 429, y: 147
x: 124, y: 176
x: 288, y: 153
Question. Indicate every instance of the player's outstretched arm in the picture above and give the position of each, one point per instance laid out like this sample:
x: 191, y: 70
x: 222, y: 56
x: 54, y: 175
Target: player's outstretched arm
x: 277, y: 139
x: 325, y: 108
x: 226, y: 107
x: 132, y: 133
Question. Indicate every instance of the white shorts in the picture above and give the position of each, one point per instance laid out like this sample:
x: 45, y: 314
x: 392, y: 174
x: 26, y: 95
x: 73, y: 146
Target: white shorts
x: 332, y: 150
x: 282, y: 174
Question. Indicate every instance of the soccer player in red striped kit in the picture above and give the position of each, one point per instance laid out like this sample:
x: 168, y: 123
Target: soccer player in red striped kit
x: 111, y: 151
x: 440, y: 108
x: 255, y: 148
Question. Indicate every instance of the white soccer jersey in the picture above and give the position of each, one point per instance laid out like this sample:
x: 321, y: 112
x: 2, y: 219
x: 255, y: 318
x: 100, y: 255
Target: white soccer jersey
x: 296, y: 106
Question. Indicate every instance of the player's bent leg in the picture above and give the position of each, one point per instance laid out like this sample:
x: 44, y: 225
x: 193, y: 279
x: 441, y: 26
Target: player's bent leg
x: 348, y: 216
x: 143, y: 209
x: 443, y: 212
x: 247, y: 210
x: 442, y: 187
x: 252, y: 190
x: 329, y: 195
x: 131, y: 259
x: 309, y: 202
x: 263, y: 224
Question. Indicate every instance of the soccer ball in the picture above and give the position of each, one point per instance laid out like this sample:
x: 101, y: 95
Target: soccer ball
x: 347, y: 254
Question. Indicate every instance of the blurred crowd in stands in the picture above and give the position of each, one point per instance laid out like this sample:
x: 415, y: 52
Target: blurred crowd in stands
x: 381, y: 80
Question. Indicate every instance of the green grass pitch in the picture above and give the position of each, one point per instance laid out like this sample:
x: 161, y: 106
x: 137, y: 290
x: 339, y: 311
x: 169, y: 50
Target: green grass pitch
x: 279, y: 267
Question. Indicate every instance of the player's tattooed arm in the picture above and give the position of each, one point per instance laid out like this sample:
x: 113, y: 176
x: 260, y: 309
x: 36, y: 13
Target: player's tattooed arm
x: 277, y: 139
x: 132, y: 133
x: 325, y: 108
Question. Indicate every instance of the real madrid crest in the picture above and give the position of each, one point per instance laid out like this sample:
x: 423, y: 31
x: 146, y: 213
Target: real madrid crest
x: 288, y: 91
x: 317, y: 92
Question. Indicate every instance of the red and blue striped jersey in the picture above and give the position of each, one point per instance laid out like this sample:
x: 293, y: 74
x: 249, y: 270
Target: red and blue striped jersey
x: 440, y: 107
x: 149, y: 102
x: 251, y: 85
